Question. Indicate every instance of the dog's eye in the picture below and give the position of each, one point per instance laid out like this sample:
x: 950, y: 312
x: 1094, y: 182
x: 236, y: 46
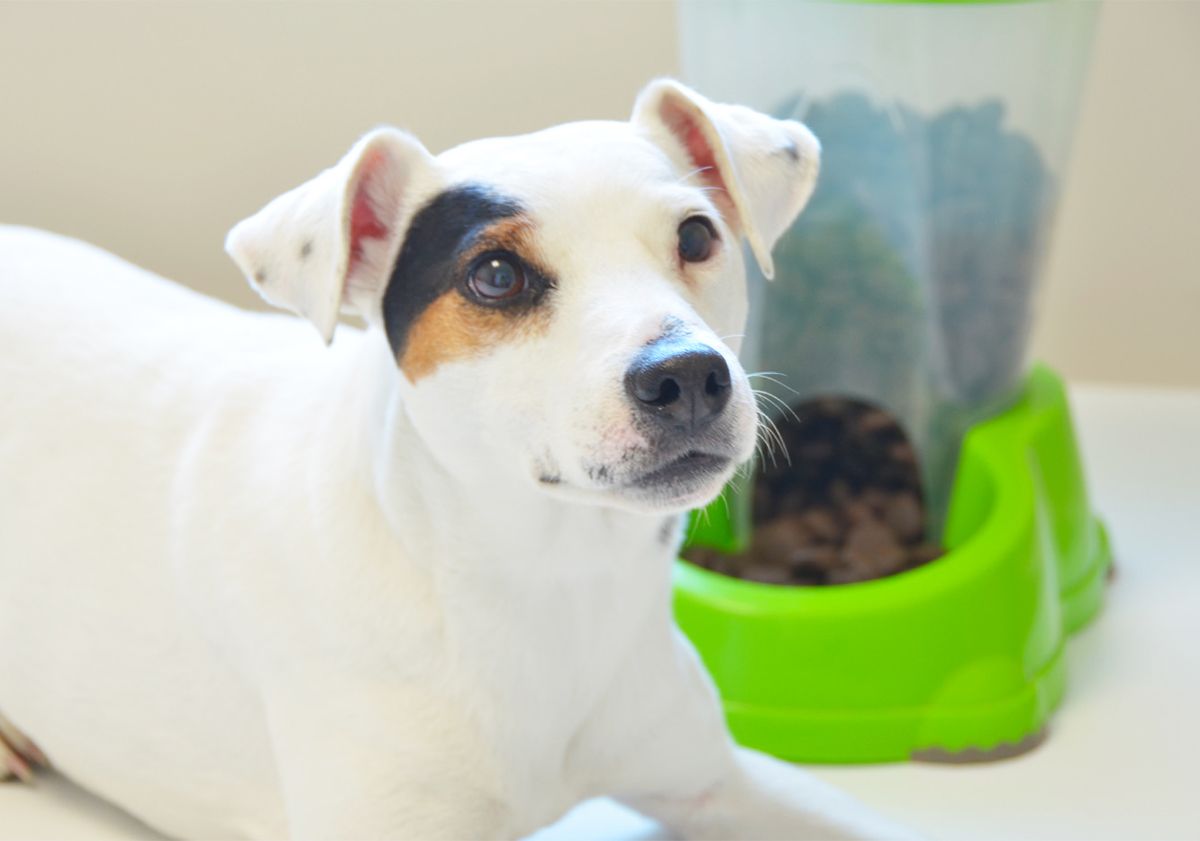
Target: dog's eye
x: 696, y: 238
x: 496, y: 277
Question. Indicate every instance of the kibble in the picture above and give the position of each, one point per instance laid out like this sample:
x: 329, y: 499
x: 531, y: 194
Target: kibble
x: 849, y: 509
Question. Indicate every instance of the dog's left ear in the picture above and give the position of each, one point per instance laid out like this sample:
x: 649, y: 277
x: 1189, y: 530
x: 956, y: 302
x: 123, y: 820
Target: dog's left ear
x: 764, y: 169
x: 330, y: 243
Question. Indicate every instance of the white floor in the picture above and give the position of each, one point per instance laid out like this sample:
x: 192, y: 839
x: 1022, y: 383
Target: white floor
x: 1123, y: 755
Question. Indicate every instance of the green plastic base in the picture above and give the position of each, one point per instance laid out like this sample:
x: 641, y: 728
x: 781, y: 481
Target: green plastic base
x: 961, y: 656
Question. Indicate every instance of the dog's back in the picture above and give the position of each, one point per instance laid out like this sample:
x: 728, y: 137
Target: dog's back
x: 106, y: 372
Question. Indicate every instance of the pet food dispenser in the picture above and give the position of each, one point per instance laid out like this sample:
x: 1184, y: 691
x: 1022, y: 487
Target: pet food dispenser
x: 908, y: 283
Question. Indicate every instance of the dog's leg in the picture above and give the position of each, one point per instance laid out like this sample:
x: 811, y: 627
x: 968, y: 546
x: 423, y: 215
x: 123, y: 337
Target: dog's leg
x: 759, y: 797
x: 682, y: 768
x: 374, y: 761
x: 18, y: 755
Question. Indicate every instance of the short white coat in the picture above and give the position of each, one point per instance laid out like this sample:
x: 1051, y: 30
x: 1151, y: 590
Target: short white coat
x: 251, y: 586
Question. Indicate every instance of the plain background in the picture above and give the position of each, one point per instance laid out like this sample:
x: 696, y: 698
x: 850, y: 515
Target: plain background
x: 150, y: 128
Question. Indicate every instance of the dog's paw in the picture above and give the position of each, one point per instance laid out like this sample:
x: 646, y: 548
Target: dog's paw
x: 18, y: 755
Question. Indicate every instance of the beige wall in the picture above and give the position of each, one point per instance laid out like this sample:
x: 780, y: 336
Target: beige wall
x: 150, y: 128
x: 1123, y: 299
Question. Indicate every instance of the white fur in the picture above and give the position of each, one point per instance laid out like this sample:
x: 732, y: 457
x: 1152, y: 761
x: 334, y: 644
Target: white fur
x: 251, y: 586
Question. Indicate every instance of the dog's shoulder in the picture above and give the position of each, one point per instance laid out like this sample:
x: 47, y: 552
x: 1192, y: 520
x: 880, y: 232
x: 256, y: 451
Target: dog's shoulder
x: 41, y: 270
x: 72, y: 307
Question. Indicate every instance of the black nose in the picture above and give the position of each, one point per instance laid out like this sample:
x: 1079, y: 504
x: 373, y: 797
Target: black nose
x: 682, y: 384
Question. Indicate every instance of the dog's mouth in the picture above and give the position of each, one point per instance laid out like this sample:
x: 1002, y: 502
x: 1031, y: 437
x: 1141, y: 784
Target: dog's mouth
x: 674, y: 482
x: 685, y: 479
x: 683, y: 472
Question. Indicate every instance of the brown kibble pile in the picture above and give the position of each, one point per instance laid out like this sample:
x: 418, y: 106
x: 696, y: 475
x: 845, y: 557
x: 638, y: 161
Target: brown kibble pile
x: 848, y: 507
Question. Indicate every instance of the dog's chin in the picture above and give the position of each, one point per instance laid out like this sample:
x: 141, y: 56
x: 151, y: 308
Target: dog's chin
x: 687, y: 481
x: 690, y: 480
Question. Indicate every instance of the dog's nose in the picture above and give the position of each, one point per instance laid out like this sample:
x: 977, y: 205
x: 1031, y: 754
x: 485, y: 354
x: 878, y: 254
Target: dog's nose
x: 681, y: 384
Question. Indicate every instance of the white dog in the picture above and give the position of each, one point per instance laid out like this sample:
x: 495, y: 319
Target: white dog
x: 417, y: 584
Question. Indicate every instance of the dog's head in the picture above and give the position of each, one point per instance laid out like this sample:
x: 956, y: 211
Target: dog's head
x: 563, y: 306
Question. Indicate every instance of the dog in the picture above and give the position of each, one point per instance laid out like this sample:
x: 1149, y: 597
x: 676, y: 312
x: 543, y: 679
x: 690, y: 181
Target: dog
x: 415, y: 584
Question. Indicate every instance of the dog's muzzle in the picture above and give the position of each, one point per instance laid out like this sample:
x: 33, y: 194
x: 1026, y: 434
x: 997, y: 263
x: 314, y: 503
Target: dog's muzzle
x: 679, y: 389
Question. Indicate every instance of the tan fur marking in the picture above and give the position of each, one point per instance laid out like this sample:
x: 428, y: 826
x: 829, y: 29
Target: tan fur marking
x: 453, y: 327
x: 514, y: 234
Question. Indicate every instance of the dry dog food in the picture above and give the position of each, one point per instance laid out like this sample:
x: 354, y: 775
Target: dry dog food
x: 847, y: 508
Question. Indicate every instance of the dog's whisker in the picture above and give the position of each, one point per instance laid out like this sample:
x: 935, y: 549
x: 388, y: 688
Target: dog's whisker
x: 773, y: 377
x: 769, y: 446
x: 772, y: 433
x: 787, y: 457
x: 782, y: 385
x: 784, y: 405
x: 777, y: 402
x: 768, y: 438
x: 758, y: 449
x: 725, y: 502
x: 770, y: 423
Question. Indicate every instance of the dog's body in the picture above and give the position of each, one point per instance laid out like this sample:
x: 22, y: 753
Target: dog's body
x: 537, y: 652
x: 123, y: 411
x: 250, y: 586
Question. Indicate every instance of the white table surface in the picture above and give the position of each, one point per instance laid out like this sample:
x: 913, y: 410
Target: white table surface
x: 1123, y: 757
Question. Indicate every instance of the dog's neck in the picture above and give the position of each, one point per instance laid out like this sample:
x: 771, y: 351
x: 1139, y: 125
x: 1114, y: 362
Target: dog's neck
x: 494, y: 525
x: 513, y: 568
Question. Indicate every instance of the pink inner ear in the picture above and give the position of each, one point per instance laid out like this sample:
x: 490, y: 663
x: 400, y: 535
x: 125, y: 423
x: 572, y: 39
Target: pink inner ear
x: 365, y: 222
x: 686, y: 128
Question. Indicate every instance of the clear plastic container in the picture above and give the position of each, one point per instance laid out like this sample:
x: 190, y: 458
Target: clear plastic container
x: 910, y: 279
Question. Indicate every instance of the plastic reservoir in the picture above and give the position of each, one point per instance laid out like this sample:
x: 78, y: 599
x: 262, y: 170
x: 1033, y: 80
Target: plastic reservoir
x: 910, y: 281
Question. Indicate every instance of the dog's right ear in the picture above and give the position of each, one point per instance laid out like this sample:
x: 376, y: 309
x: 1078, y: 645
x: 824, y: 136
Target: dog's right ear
x: 762, y: 170
x: 331, y: 242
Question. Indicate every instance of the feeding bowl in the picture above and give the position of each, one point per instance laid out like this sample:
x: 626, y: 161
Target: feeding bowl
x: 961, y: 658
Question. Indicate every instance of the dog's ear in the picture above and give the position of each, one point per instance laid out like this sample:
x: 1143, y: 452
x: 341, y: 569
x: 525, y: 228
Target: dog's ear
x: 331, y: 242
x: 764, y: 170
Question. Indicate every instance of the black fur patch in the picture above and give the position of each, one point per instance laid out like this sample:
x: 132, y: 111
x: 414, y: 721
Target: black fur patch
x: 428, y: 265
